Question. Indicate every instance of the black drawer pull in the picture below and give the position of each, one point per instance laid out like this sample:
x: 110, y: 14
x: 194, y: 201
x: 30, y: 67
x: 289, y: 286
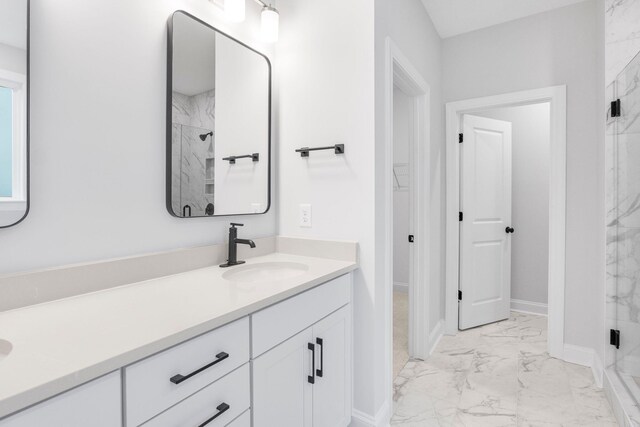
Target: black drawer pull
x: 222, y: 408
x: 312, y: 378
x: 177, y: 379
x: 320, y: 343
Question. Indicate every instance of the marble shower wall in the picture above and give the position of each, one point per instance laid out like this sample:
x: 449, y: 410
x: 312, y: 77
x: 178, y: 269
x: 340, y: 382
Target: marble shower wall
x: 192, y: 181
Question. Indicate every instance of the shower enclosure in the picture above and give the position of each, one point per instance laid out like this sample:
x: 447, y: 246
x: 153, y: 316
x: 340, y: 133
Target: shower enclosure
x: 623, y: 230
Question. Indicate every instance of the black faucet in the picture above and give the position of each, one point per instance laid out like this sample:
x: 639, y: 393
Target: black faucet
x: 233, y: 246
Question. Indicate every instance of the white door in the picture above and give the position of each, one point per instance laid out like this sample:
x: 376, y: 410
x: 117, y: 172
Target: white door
x: 332, y: 388
x: 282, y: 393
x: 485, y: 229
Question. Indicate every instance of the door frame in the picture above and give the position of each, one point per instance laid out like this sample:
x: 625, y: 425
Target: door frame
x: 400, y: 72
x: 557, y: 97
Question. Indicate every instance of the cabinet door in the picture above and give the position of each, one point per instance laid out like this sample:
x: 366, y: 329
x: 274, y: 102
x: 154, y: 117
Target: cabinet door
x: 95, y: 404
x: 282, y: 395
x: 332, y: 389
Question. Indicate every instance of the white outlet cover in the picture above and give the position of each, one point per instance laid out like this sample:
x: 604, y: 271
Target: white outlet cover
x: 305, y: 215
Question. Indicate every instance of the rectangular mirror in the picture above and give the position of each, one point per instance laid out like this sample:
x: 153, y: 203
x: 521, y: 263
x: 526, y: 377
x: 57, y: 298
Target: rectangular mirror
x: 14, y: 117
x: 218, y: 123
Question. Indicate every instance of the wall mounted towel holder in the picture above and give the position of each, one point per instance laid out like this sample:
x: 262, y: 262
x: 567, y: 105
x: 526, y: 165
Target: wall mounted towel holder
x: 232, y: 159
x: 304, y: 151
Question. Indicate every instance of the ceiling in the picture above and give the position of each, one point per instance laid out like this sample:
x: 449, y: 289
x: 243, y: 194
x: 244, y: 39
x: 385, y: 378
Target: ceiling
x: 13, y: 23
x: 194, y: 56
x: 453, y: 17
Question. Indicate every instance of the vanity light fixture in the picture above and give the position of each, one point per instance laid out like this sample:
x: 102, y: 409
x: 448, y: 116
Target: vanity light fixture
x: 270, y: 22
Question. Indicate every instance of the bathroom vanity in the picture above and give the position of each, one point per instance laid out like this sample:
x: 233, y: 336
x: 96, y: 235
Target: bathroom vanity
x: 266, y: 343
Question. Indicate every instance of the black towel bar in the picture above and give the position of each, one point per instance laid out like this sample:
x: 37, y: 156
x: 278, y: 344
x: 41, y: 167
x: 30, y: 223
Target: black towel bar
x: 304, y: 151
x: 232, y: 159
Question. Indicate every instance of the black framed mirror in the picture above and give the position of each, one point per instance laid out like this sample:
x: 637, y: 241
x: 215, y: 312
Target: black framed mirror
x: 14, y: 111
x: 218, y: 123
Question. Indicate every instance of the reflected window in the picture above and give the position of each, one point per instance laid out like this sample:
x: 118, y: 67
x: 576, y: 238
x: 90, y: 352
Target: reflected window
x: 12, y: 137
x: 6, y: 142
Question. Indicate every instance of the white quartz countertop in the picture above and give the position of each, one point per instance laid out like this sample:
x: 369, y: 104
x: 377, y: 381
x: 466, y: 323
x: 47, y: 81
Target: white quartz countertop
x: 61, y: 344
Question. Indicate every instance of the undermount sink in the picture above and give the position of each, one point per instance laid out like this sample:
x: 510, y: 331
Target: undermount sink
x: 265, y: 272
x: 5, y: 349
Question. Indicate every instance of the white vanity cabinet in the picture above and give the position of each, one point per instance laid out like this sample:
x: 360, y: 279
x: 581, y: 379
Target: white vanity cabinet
x: 305, y: 381
x: 95, y: 404
x: 287, y: 365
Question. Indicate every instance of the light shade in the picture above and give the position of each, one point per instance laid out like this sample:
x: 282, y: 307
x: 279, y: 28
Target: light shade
x: 234, y: 10
x: 270, y: 24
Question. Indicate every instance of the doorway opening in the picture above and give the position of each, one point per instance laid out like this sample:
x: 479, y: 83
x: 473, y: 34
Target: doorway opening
x: 402, y: 226
x: 406, y: 184
x: 506, y: 192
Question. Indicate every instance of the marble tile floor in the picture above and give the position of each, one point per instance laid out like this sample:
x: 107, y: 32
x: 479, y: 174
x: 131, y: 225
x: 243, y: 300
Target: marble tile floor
x: 400, y: 331
x: 498, y: 375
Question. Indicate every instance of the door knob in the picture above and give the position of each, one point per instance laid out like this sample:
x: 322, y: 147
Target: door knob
x: 509, y: 230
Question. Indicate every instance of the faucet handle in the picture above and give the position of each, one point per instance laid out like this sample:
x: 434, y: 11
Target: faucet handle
x: 235, y: 224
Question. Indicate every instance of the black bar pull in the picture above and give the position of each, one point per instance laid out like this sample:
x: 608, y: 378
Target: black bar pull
x: 177, y: 379
x: 319, y: 372
x: 312, y: 378
x: 304, y: 151
x: 222, y: 408
x: 232, y: 159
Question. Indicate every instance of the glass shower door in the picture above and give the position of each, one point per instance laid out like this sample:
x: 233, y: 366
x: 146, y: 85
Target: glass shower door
x: 626, y: 225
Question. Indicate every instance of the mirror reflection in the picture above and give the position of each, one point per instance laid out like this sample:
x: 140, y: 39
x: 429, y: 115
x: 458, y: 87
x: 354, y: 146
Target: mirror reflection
x: 13, y: 111
x: 219, y: 127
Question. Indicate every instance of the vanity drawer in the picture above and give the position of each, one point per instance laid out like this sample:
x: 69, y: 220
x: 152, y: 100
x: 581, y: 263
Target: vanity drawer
x: 154, y: 384
x: 281, y: 321
x: 227, y: 398
x: 243, y: 420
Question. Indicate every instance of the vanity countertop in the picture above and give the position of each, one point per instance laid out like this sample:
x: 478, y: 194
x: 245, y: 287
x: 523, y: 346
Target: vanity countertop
x: 61, y: 344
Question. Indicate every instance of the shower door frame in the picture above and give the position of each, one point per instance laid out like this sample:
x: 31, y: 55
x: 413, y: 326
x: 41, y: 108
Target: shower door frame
x: 557, y: 97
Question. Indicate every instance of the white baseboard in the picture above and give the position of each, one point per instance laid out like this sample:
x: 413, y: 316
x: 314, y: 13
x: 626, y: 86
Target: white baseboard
x: 436, y: 335
x: 400, y: 287
x: 584, y: 356
x: 381, y: 419
x: 529, y: 307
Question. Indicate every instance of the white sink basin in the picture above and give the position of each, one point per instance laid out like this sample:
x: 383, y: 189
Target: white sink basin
x: 265, y: 272
x: 5, y: 349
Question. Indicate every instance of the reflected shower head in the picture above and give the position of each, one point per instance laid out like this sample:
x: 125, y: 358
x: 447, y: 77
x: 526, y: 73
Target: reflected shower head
x: 205, y: 135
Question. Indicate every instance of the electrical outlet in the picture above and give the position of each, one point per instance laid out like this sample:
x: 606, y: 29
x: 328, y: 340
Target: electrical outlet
x: 305, y: 215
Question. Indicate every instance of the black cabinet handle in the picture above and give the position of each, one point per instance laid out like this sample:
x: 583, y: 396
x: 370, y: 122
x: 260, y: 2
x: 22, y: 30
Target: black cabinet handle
x: 312, y: 378
x: 177, y: 379
x: 222, y: 408
x: 509, y: 230
x: 320, y: 343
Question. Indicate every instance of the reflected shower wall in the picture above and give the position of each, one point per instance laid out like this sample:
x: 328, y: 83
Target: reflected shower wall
x: 193, y: 154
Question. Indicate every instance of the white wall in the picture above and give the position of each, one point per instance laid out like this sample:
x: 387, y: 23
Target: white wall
x: 13, y: 59
x: 408, y: 25
x: 98, y: 135
x: 402, y: 131
x: 553, y: 48
x: 530, y: 199
x: 326, y: 80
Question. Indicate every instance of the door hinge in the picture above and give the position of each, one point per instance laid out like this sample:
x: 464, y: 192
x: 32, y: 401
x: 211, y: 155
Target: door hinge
x: 460, y: 138
x: 459, y: 295
x: 614, y: 337
x: 616, y: 108
x: 411, y: 238
x: 460, y: 216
